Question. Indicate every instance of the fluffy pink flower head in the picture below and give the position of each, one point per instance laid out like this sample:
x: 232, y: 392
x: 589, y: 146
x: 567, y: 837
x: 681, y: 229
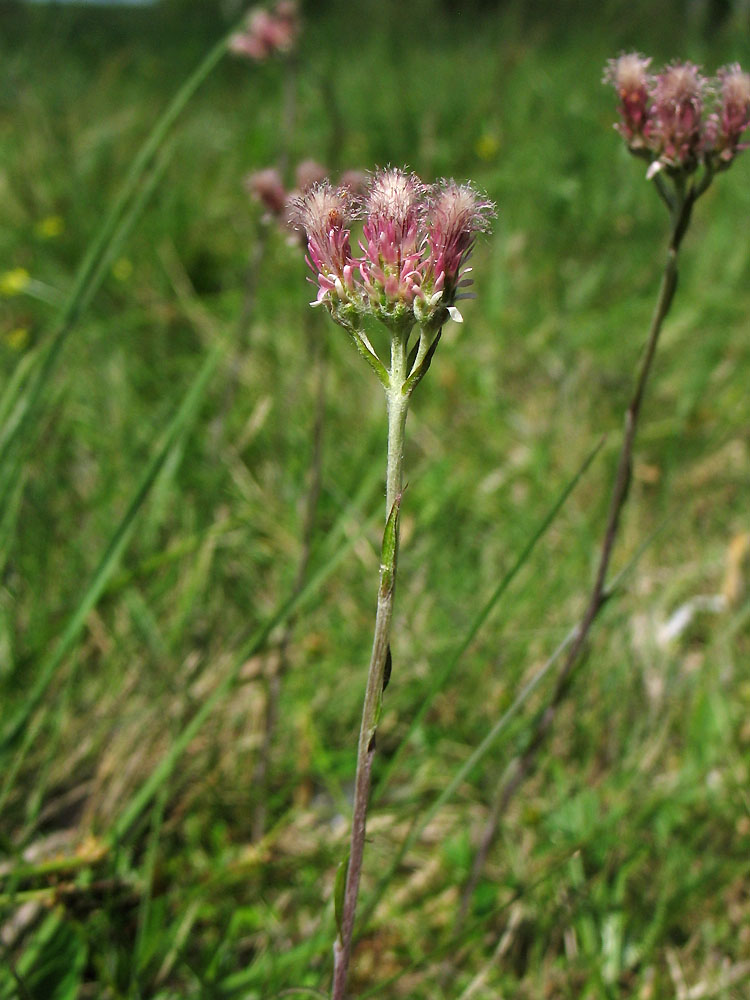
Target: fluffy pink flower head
x: 324, y: 213
x: 677, y: 135
x: 415, y: 242
x: 733, y: 112
x: 307, y: 174
x: 456, y: 213
x: 267, y: 32
x: 628, y: 73
x: 393, y: 210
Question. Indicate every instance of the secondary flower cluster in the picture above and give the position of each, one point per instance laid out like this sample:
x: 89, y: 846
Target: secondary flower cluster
x: 267, y: 32
x: 267, y: 187
x: 416, y: 240
x: 678, y: 118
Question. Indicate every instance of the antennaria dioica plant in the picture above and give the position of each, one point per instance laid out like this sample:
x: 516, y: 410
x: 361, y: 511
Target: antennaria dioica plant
x: 688, y: 128
x: 268, y: 946
x: 416, y: 241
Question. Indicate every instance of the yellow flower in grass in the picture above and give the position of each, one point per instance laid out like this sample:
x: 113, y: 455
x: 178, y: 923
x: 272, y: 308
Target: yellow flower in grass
x: 17, y: 338
x: 122, y: 269
x: 50, y: 227
x: 488, y: 146
x: 14, y: 282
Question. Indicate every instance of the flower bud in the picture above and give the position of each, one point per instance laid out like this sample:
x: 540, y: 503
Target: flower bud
x: 391, y: 266
x: 455, y: 214
x: 629, y: 75
x: 677, y: 118
x: 324, y: 213
x: 733, y: 112
x: 677, y: 115
x: 355, y: 180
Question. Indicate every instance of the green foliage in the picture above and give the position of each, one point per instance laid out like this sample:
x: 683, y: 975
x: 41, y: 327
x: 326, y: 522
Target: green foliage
x: 53, y: 963
x: 156, y: 453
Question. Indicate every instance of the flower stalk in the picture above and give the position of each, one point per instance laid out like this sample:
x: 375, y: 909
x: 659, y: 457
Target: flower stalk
x: 378, y: 673
x: 416, y: 241
x: 663, y: 119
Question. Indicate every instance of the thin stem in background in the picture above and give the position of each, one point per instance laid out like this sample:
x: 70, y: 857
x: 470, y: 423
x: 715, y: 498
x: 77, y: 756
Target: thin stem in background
x: 334, y: 116
x: 258, y: 251
x: 289, y: 110
x: 522, y: 766
x: 277, y: 669
x: 398, y: 404
x: 249, y: 294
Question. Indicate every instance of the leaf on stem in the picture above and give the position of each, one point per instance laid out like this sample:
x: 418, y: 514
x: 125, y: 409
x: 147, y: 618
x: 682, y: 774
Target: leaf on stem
x: 368, y: 354
x: 390, y: 550
x: 388, y: 668
x: 419, y: 373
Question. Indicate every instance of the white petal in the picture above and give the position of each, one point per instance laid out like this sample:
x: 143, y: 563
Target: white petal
x: 455, y: 315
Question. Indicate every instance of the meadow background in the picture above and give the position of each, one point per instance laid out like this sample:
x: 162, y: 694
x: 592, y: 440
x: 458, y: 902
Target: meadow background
x: 162, y: 437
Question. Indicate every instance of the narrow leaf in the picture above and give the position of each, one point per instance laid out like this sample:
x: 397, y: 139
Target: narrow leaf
x: 388, y: 669
x: 389, y: 553
x: 416, y: 376
x: 370, y: 357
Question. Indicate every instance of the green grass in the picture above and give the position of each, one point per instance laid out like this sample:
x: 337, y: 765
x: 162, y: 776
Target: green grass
x: 154, y: 507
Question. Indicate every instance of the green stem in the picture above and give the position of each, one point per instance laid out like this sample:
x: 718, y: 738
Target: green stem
x: 398, y: 404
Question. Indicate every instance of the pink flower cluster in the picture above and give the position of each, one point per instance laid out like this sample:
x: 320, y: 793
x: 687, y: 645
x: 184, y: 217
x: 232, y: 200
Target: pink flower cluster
x: 267, y: 32
x: 416, y: 240
x: 677, y: 118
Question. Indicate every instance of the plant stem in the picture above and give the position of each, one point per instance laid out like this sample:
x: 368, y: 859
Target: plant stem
x: 681, y: 210
x: 398, y: 404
